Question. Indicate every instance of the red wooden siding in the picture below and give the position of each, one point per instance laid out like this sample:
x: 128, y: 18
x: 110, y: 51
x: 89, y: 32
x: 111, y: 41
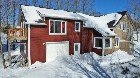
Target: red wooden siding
x: 40, y: 35
x: 87, y: 40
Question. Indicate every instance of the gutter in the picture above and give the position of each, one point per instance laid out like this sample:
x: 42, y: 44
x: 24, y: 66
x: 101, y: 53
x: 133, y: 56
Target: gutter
x: 103, y: 46
x: 36, y: 23
x: 62, y: 17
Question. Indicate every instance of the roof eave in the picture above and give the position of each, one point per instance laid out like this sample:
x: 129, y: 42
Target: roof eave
x: 35, y: 23
x: 62, y: 17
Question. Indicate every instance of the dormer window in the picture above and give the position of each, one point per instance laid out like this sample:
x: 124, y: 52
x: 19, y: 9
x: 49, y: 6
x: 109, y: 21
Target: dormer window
x: 77, y: 26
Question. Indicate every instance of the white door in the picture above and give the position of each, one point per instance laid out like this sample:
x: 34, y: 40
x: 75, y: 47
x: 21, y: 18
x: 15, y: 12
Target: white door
x: 54, y: 49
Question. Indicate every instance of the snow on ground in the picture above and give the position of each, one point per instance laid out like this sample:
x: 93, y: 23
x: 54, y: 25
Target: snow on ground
x: 116, y: 65
x: 117, y: 57
x: 65, y: 67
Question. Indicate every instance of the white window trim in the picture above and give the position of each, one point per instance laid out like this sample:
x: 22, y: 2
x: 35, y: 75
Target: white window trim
x: 110, y: 43
x: 78, y: 47
x: 61, y: 27
x: 95, y: 40
x: 79, y: 27
x: 118, y: 42
x: 123, y: 24
x: 104, y: 43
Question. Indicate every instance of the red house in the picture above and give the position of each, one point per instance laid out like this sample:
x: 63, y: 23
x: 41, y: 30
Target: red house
x: 54, y: 32
x: 57, y: 32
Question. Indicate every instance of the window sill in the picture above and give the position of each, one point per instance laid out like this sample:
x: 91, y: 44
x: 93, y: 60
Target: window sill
x: 124, y: 30
x: 108, y: 48
x: 116, y: 46
x: 102, y: 48
x: 77, y: 30
x: 57, y: 33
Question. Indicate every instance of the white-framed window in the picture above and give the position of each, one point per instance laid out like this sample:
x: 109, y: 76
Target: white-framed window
x: 77, y: 47
x: 123, y: 26
x: 107, y: 42
x: 57, y: 27
x: 117, y: 41
x: 98, y: 42
x: 77, y: 26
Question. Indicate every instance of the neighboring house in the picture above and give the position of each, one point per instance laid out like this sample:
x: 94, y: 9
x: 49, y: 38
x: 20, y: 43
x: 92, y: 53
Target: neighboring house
x: 115, y: 31
x: 57, y: 32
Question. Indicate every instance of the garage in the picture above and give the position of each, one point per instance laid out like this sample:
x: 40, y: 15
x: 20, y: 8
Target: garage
x: 54, y: 49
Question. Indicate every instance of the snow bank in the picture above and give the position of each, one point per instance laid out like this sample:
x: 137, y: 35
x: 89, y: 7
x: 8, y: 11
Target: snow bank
x: 36, y: 64
x: 117, y: 57
x: 64, y: 67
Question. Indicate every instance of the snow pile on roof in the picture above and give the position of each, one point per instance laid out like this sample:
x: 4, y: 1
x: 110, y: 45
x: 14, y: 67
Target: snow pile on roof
x: 33, y: 14
x: 59, y: 14
x: 101, y: 23
x: 117, y: 57
x: 30, y: 14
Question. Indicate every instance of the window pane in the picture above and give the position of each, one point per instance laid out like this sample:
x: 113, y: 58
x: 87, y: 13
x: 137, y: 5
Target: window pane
x: 121, y: 25
x: 77, y: 26
x: 98, y: 42
x: 116, y: 42
x: 57, y: 26
x: 76, y: 47
x: 107, y: 42
x: 63, y: 27
x: 51, y: 27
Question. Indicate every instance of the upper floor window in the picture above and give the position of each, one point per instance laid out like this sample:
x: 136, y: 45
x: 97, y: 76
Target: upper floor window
x: 77, y: 26
x: 123, y: 26
x: 57, y: 27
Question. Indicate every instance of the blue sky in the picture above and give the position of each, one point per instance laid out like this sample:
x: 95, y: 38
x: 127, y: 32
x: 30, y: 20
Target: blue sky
x: 110, y: 6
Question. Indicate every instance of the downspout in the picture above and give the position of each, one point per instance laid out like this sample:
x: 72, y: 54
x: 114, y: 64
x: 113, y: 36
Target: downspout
x: 29, y: 55
x: 103, y: 46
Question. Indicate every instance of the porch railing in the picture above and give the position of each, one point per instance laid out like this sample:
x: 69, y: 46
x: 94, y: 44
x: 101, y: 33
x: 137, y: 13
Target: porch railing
x: 17, y: 33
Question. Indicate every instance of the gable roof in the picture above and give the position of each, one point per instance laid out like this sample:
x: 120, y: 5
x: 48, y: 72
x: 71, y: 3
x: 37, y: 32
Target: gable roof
x: 34, y: 15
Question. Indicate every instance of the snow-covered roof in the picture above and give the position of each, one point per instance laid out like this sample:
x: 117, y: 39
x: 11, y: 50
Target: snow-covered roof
x: 30, y: 14
x: 34, y: 15
x: 102, y: 23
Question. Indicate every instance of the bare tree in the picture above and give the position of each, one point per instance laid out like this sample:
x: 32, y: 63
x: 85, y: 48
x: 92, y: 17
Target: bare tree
x: 76, y: 2
x: 47, y: 3
x: 25, y: 2
x: 134, y: 11
x: 59, y: 4
x: 67, y: 4
x: 34, y: 2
